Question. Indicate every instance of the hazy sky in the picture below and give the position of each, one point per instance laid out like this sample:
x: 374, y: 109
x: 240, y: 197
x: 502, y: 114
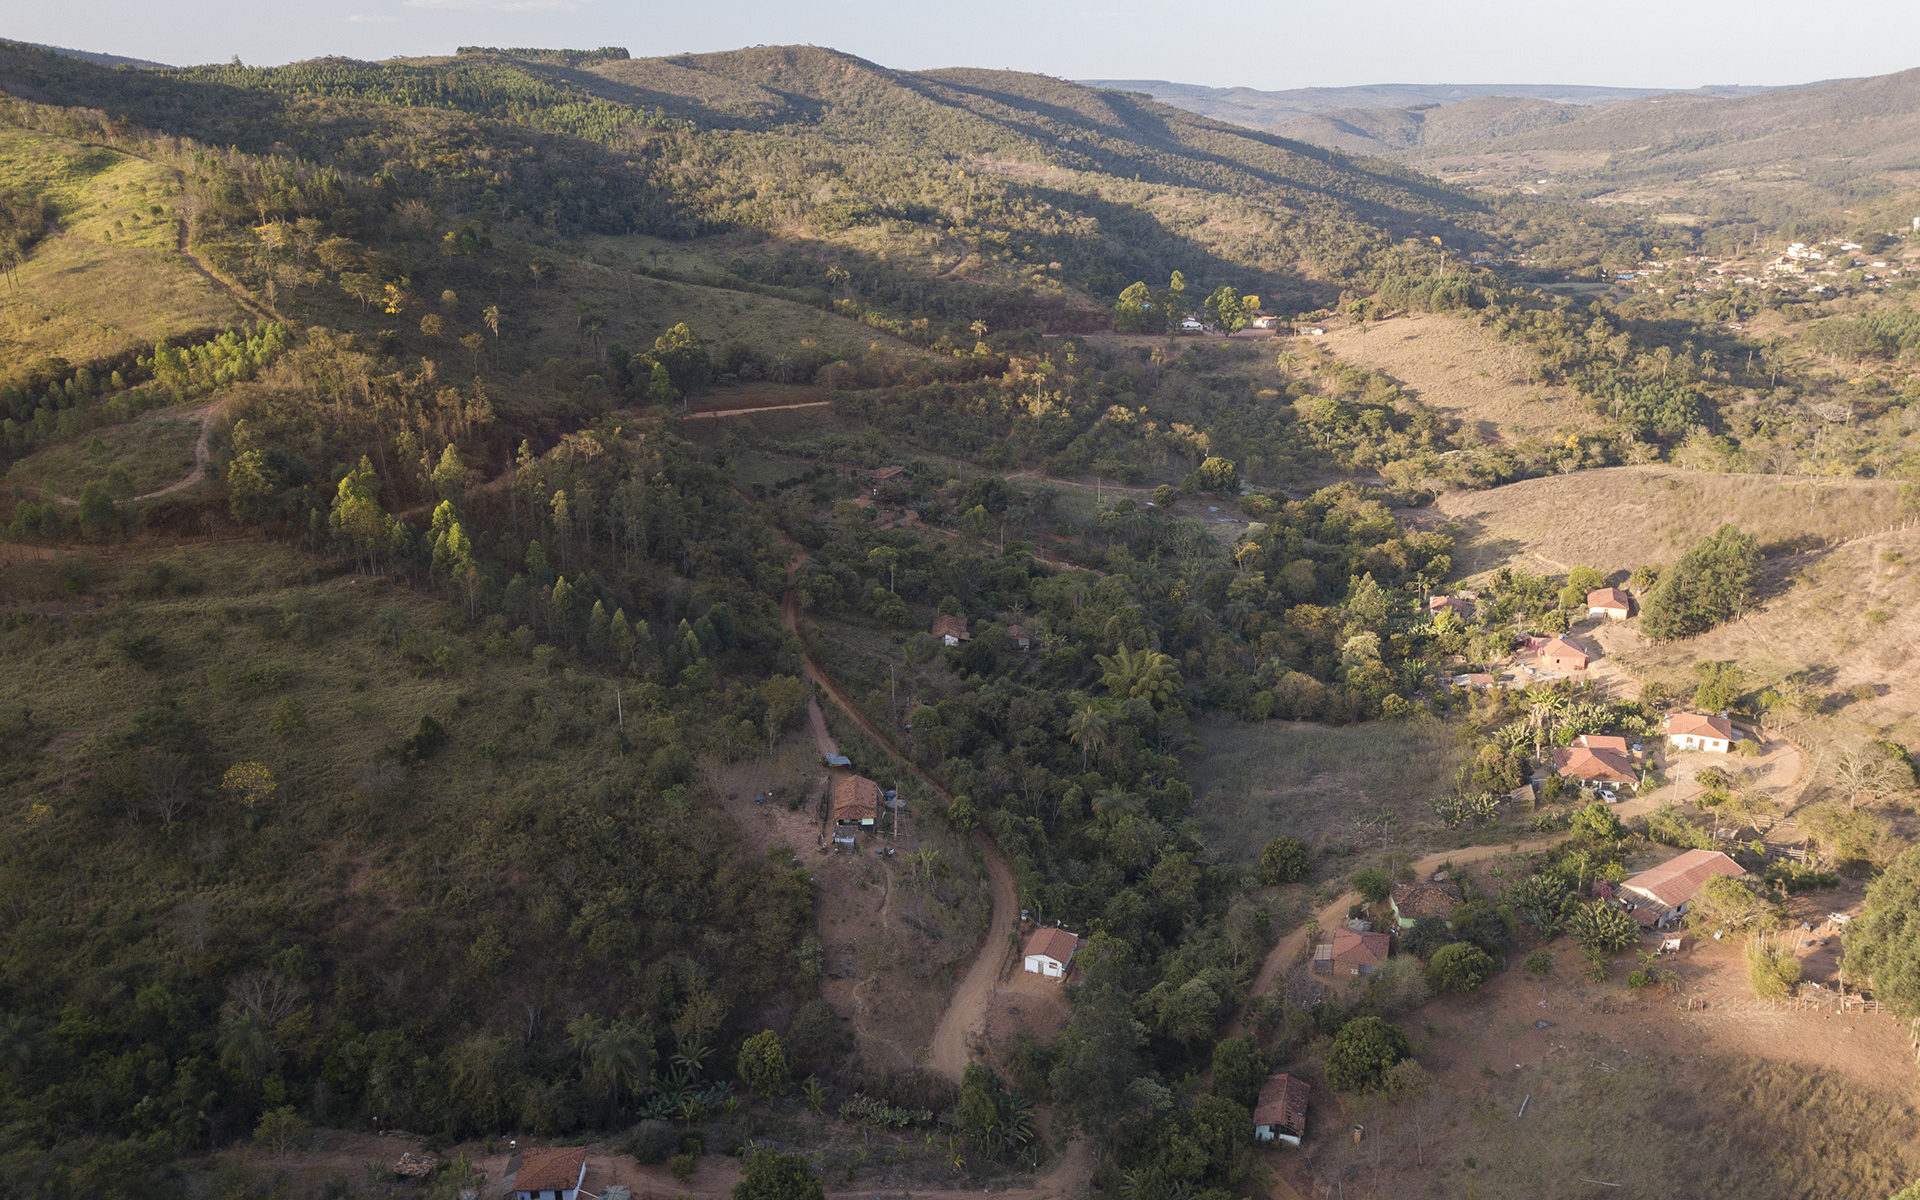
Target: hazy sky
x: 1262, y: 43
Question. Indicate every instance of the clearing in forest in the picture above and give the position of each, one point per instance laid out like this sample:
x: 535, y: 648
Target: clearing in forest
x: 1459, y: 370
x: 1255, y: 781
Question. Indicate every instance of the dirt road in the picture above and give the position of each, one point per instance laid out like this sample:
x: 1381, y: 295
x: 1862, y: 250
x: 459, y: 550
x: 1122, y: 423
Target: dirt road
x: 966, y: 1011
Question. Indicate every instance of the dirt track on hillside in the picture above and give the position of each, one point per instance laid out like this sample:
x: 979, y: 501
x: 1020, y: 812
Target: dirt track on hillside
x: 966, y: 1011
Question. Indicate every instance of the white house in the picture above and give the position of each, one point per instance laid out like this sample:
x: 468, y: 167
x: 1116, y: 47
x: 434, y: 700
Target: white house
x: 1281, y: 1114
x: 1696, y: 731
x: 1191, y: 325
x: 1609, y: 602
x: 1050, y: 951
x: 551, y: 1174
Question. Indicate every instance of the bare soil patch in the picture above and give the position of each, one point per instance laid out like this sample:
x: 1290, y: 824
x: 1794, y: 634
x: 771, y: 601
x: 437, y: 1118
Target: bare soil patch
x: 1459, y: 370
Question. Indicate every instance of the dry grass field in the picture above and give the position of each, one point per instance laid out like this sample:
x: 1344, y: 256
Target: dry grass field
x: 1850, y: 617
x: 1620, y: 517
x: 1254, y: 782
x: 110, y: 279
x: 1626, y: 1094
x: 1455, y: 368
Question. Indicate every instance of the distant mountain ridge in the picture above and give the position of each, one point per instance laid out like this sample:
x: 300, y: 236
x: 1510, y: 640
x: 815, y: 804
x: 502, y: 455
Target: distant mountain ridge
x: 97, y: 58
x: 1272, y: 110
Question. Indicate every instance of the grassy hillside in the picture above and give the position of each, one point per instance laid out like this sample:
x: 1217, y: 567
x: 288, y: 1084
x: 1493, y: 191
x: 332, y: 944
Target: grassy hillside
x: 108, y: 278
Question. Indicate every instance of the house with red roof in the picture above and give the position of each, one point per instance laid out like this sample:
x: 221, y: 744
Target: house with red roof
x: 1280, y: 1115
x: 951, y: 630
x: 1596, y: 760
x: 1559, y: 654
x: 1609, y: 602
x: 1667, y: 889
x: 855, y: 801
x: 1350, y: 952
x: 1050, y: 951
x: 555, y: 1173
x: 1697, y: 731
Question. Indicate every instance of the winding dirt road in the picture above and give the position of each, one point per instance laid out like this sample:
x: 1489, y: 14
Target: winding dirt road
x: 966, y: 1011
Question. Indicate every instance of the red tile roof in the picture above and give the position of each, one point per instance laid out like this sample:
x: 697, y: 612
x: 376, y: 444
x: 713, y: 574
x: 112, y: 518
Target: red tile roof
x: 882, y: 474
x: 550, y: 1170
x: 1416, y: 900
x: 1560, y: 649
x: 1687, y: 724
x: 954, y: 627
x: 855, y: 798
x: 1606, y: 766
x: 1352, y: 948
x: 1283, y: 1104
x: 1609, y: 597
x: 1053, y: 942
x: 1602, y: 741
x: 1679, y: 879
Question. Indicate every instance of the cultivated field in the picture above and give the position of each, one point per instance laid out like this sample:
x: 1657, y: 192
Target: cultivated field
x: 1617, y: 518
x: 1455, y: 368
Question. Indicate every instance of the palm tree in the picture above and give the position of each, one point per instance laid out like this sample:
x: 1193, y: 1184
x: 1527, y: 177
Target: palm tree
x: 1140, y: 675
x: 19, y: 1041
x: 1088, y: 729
x: 245, y: 1045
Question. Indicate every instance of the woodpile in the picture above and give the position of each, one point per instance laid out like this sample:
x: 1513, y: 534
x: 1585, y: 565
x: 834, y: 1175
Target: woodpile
x: 416, y: 1166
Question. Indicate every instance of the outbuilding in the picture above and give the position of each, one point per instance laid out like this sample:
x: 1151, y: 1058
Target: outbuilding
x: 1281, y: 1114
x: 1050, y: 951
x: 550, y: 1174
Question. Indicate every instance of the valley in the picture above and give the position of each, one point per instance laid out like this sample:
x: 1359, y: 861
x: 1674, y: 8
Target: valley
x: 773, y: 622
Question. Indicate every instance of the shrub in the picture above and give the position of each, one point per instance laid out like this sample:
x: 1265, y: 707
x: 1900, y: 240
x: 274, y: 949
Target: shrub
x: 763, y: 1064
x: 1283, y: 861
x: 1371, y: 882
x: 1460, y: 967
x: 1601, y: 928
x: 683, y: 1166
x: 1772, y: 965
x: 1539, y: 964
x: 1364, y: 1050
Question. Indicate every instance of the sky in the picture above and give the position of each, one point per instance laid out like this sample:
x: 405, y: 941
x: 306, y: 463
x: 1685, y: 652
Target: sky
x: 1268, y: 44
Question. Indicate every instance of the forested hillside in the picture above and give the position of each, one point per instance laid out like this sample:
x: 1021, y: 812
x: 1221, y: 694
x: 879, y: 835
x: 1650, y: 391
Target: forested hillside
x: 455, y: 507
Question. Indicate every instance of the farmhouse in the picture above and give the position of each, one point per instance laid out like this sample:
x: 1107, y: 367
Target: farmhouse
x: 1560, y: 654
x: 1593, y: 759
x: 856, y: 801
x: 1411, y: 901
x: 1669, y: 887
x: 1349, y: 952
x: 1281, y: 1113
x: 1050, y: 951
x: 951, y: 630
x: 553, y: 1174
x: 1696, y: 731
x: 1609, y: 602
x: 1018, y: 635
x: 1457, y: 605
